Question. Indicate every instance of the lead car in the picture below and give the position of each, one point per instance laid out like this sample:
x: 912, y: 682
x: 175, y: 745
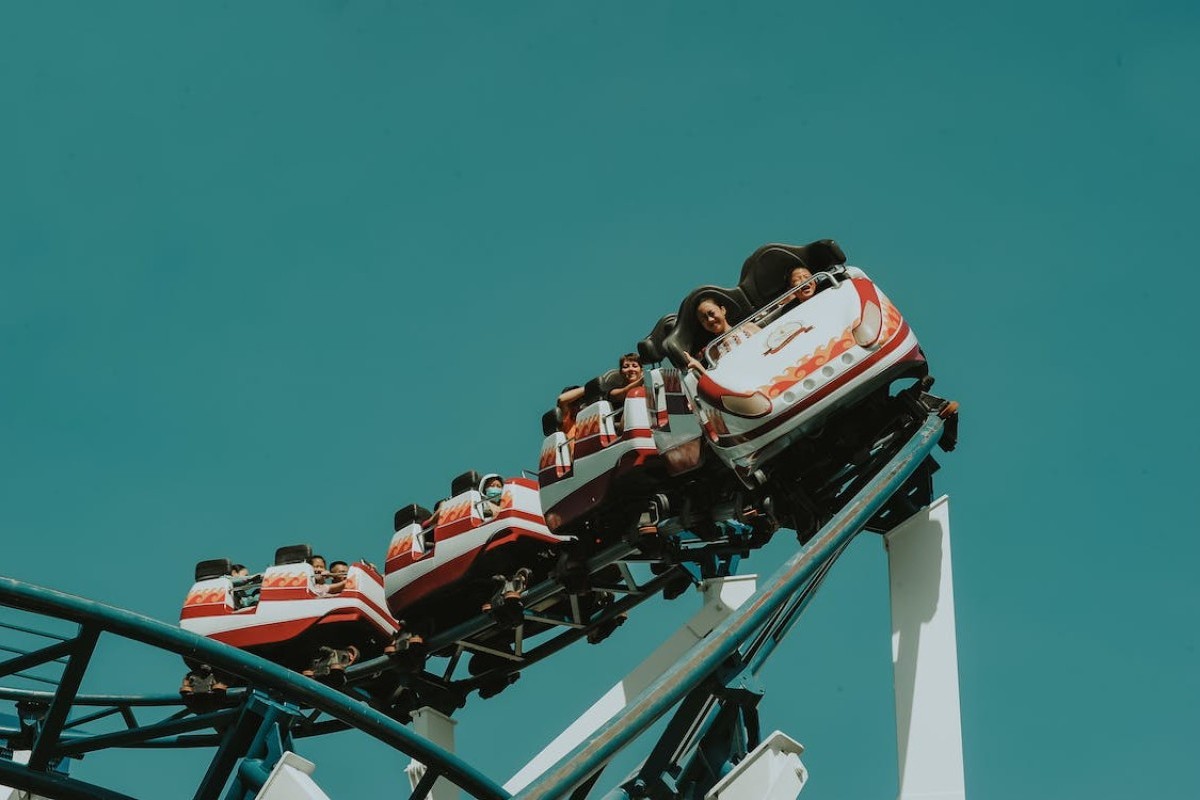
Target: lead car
x: 787, y: 363
x: 797, y: 397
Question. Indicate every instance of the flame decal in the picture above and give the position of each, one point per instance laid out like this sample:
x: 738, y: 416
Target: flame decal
x: 285, y: 580
x: 400, y: 548
x: 205, y: 597
x: 587, y: 426
x: 809, y: 364
x: 549, y: 456
x: 454, y: 513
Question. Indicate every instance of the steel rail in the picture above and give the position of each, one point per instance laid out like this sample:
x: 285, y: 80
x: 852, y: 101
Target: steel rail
x: 117, y: 700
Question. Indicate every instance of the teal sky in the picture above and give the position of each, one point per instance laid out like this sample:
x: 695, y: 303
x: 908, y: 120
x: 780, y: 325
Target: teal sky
x: 269, y: 271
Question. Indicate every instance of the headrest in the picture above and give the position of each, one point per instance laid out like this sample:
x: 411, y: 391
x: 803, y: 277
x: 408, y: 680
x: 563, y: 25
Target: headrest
x: 651, y: 348
x: 599, y: 387
x: 213, y: 568
x: 688, y: 336
x: 550, y: 422
x: 465, y: 482
x: 765, y: 273
x: 409, y: 514
x: 293, y: 554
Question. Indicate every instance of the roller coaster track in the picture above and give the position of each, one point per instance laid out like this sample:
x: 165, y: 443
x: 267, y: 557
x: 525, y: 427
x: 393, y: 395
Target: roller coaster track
x: 714, y: 686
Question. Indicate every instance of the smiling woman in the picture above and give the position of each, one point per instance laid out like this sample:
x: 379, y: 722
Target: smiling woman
x: 713, y: 318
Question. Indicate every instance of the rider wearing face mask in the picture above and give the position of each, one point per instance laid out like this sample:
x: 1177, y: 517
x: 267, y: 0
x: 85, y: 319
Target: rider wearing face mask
x: 492, y: 489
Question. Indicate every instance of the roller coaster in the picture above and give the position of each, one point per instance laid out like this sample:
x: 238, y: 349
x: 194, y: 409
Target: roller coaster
x: 766, y: 406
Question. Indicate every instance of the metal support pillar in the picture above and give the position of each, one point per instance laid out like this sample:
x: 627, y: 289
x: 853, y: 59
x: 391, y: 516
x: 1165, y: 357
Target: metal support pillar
x: 925, y: 656
x: 439, y: 729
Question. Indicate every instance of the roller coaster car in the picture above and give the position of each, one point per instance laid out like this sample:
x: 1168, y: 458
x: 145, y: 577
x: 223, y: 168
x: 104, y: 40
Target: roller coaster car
x: 787, y: 363
x: 292, y: 616
x: 441, y: 568
x: 614, y: 446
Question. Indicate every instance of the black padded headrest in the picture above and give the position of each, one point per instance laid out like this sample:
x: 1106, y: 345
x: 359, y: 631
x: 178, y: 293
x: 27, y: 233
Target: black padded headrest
x: 765, y: 273
x: 213, y: 568
x: 651, y: 348
x: 550, y: 422
x: 465, y: 482
x: 409, y: 514
x: 293, y: 554
x: 688, y: 336
x: 599, y: 387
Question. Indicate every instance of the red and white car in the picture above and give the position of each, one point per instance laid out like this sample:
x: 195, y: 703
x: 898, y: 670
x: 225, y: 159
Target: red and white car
x: 441, y: 573
x: 786, y: 365
x: 294, y: 615
x: 648, y: 436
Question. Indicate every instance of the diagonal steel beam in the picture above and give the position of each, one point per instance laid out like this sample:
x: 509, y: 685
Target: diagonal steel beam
x: 234, y: 744
x: 75, y: 722
x: 82, y: 648
x: 5, y: 648
x: 76, y: 745
x: 44, y: 634
x: 141, y: 700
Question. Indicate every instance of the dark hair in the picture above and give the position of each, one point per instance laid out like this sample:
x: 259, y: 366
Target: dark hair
x: 314, y: 557
x: 334, y: 564
x: 628, y: 357
x: 713, y: 296
x: 236, y: 567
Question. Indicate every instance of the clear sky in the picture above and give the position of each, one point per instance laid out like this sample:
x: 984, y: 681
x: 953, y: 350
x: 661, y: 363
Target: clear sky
x: 269, y: 271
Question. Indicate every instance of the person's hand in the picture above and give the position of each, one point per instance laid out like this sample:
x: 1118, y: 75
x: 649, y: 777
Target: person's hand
x: 693, y: 363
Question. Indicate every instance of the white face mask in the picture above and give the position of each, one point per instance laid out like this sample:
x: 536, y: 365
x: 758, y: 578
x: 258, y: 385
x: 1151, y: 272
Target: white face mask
x: 493, y: 492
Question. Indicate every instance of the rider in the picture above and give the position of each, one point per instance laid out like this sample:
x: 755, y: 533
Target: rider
x: 492, y: 489
x: 712, y: 316
x: 320, y: 574
x: 338, y: 571
x: 631, y: 372
x: 799, y: 279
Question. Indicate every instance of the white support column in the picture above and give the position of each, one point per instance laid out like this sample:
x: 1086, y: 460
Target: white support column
x: 925, y: 656
x: 439, y: 729
x: 291, y: 779
x: 721, y: 597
